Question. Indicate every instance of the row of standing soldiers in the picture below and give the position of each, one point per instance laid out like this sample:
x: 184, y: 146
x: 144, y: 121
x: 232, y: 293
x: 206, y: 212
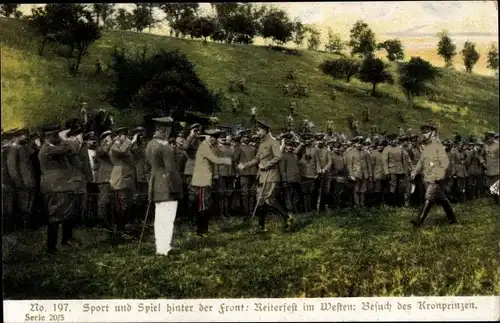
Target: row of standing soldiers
x: 108, y: 182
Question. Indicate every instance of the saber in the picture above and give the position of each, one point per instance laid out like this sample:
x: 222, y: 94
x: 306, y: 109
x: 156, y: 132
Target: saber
x: 260, y: 195
x: 320, y: 193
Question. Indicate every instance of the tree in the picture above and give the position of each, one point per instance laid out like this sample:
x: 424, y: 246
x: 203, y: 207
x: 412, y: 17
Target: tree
x: 299, y: 32
x: 414, y: 75
x: 179, y: 15
x: 342, y: 68
x: 203, y: 27
x: 18, y: 15
x: 142, y: 17
x: 40, y: 21
x: 124, y: 20
x: 314, y: 39
x: 165, y: 83
x: 493, y: 58
x: 373, y: 70
x: 394, y: 48
x: 470, y: 55
x: 277, y: 26
x: 334, y: 44
x: 103, y: 11
x: 8, y: 9
x: 83, y: 34
x: 446, y: 48
x: 362, y: 39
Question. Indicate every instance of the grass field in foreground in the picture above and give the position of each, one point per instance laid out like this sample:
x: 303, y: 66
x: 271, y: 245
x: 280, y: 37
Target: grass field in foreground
x: 350, y: 253
x: 37, y: 89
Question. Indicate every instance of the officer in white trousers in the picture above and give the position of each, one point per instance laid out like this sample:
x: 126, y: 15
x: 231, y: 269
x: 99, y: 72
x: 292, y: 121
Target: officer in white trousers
x: 165, y: 184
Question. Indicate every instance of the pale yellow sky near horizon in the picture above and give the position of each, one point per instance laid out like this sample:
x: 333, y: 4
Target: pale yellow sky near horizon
x: 431, y: 16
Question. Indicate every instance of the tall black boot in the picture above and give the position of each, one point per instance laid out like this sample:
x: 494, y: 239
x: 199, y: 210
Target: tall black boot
x: 445, y: 203
x: 425, y: 212
x: 262, y: 211
x: 52, y: 233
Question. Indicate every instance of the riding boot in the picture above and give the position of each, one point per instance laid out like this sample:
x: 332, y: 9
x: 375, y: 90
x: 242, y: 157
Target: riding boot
x: 362, y: 199
x: 445, y: 203
x: 227, y: 207
x: 279, y: 208
x: 307, y: 203
x: 262, y: 210
x: 356, y: 200
x: 221, y: 208
x: 425, y: 212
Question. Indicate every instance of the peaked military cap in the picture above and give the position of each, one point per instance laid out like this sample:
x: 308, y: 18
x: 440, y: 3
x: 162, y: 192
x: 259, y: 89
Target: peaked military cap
x: 213, y: 132
x: 195, y: 125
x: 427, y: 127
x: 75, y: 131
x: 138, y: 129
x: 89, y: 135
x: 121, y: 131
x: 404, y: 138
x: 244, y: 132
x: 105, y: 133
x: 255, y: 138
x: 263, y: 125
x: 497, y: 135
x: 307, y: 136
x: 490, y: 134
x: 287, y: 135
x: 51, y: 128
x: 382, y: 142
x: 163, y: 120
x: 319, y: 135
x: 391, y: 136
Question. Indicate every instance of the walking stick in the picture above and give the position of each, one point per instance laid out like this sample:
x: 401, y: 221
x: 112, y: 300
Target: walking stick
x: 260, y: 194
x: 320, y: 193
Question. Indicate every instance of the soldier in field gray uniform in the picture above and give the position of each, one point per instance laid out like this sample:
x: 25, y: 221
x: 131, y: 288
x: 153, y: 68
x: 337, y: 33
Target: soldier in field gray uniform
x: 433, y: 165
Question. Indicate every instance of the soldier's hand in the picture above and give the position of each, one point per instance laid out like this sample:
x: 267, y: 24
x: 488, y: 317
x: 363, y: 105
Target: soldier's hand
x: 241, y: 166
x: 215, y: 177
x: 352, y: 178
x: 228, y: 161
x: 412, y: 176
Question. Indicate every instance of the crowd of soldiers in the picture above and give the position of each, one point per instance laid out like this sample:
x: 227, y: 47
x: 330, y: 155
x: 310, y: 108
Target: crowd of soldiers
x: 69, y: 177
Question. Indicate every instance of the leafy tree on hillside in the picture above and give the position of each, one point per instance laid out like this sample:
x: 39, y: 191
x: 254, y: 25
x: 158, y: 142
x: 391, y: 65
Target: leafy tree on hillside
x: 446, y: 48
x: 277, y: 26
x: 18, y: 15
x: 239, y: 23
x: 362, y: 41
x: 394, y: 48
x: 203, y: 27
x: 471, y: 56
x: 314, y: 40
x: 179, y: 15
x: 374, y: 71
x: 40, y: 21
x: 103, y: 12
x: 493, y: 58
x: 342, y: 68
x: 165, y: 83
x: 142, y: 17
x: 299, y: 32
x: 334, y: 43
x: 124, y: 20
x: 414, y: 75
x: 8, y: 9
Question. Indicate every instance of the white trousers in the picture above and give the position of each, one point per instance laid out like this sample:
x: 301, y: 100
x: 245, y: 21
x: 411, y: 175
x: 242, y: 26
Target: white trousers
x: 164, y: 226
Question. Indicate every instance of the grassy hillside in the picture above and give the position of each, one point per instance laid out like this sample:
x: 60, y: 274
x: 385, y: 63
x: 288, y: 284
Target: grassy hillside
x: 349, y: 253
x: 38, y: 89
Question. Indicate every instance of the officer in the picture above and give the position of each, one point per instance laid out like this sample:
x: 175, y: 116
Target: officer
x: 201, y: 183
x: 395, y: 168
x: 433, y: 165
x: 378, y: 172
x: 191, y: 147
x: 290, y: 177
x: 474, y: 168
x: 243, y: 153
x: 165, y: 185
x: 491, y: 161
x: 458, y: 169
x: 309, y: 169
x: 89, y: 144
x: 223, y: 176
x: 325, y: 163
x: 142, y: 171
x: 103, y: 173
x: 359, y: 169
x: 267, y: 158
x: 338, y: 173
x: 22, y: 173
x: 122, y: 178
x: 57, y: 188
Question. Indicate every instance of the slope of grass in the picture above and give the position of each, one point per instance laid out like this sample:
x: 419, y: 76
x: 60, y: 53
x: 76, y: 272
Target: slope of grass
x: 37, y: 89
x: 350, y: 253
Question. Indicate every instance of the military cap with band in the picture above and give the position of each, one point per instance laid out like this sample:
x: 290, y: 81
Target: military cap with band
x: 121, y: 131
x: 138, y: 129
x: 89, y: 135
x: 263, y: 125
x: 105, y: 133
x: 75, y: 131
x: 490, y: 134
x: 195, y: 125
x: 307, y: 136
x: 392, y: 136
x: 164, y: 121
x: 287, y: 135
x: 244, y: 132
x: 51, y: 128
x: 319, y: 135
x: 213, y: 132
x: 427, y: 127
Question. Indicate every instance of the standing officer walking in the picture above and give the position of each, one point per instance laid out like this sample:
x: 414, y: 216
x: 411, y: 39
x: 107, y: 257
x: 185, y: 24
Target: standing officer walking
x: 433, y: 165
